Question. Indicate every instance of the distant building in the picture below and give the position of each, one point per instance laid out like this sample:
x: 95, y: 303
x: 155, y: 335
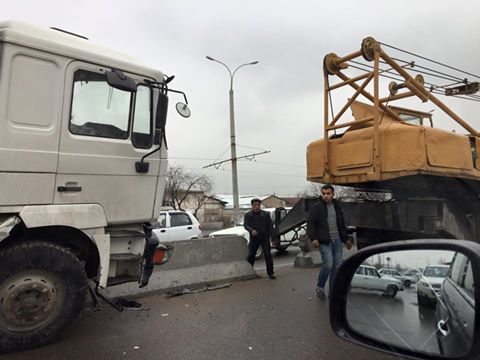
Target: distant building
x: 291, y: 201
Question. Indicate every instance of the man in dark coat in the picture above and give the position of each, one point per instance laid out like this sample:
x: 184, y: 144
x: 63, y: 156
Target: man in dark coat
x: 259, y: 224
x: 327, y: 231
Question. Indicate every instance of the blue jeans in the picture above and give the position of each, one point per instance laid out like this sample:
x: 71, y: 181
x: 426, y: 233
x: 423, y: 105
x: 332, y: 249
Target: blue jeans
x: 331, y: 260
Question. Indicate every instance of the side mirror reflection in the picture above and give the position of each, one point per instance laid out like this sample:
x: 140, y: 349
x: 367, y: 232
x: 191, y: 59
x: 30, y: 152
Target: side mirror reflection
x: 419, y: 300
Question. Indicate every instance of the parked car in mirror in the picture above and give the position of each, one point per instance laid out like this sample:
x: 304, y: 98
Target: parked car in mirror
x: 368, y: 278
x: 176, y: 225
x: 413, y: 274
x: 395, y: 274
x: 430, y: 283
x: 455, y: 312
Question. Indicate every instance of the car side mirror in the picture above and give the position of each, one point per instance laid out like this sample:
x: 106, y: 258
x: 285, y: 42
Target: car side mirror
x: 418, y: 321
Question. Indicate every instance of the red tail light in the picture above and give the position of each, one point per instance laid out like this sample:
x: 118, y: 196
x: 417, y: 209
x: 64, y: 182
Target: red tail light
x: 162, y: 255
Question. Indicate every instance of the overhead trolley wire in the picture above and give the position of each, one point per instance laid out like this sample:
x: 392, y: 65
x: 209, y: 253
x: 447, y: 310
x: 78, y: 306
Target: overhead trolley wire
x: 433, y: 61
x: 415, y: 65
x: 412, y: 69
x: 435, y: 86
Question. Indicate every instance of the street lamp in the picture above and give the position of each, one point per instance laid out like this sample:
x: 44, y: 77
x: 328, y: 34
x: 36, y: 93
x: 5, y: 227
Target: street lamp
x: 233, y: 146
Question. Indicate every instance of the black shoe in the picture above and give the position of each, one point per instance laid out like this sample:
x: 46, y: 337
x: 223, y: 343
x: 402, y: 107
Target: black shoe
x: 272, y: 277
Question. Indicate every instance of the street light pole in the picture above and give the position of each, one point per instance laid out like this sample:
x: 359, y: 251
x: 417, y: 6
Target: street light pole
x: 233, y: 145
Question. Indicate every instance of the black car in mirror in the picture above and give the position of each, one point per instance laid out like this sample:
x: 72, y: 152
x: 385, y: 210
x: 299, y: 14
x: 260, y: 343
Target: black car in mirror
x: 434, y: 318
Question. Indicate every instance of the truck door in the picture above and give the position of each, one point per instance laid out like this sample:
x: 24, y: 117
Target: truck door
x: 104, y: 132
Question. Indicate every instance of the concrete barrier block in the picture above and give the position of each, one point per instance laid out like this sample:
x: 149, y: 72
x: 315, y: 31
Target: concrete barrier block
x: 195, y: 262
x: 308, y: 259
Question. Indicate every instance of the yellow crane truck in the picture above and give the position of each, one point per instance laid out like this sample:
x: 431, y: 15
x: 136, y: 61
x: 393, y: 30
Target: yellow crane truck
x: 429, y: 177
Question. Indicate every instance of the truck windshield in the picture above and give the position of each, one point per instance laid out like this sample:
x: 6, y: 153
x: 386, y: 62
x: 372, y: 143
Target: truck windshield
x: 97, y: 108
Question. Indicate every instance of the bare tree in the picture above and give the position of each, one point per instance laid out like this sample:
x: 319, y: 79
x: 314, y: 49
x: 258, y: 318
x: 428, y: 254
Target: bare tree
x: 183, y: 185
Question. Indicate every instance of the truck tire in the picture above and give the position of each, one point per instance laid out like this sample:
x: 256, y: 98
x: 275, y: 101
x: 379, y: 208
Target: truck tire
x: 43, y: 288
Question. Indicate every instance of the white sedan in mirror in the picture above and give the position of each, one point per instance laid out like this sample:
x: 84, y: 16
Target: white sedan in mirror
x: 428, y: 287
x: 368, y: 278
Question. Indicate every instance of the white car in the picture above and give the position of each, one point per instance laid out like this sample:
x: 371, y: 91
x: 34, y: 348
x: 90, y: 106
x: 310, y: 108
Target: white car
x: 176, y: 225
x: 429, y: 285
x: 368, y: 278
x: 413, y: 275
x: 407, y: 281
x: 239, y: 230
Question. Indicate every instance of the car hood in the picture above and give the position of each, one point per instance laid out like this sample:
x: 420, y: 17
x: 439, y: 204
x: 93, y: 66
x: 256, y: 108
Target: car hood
x: 233, y: 231
x: 433, y: 280
x: 391, y: 278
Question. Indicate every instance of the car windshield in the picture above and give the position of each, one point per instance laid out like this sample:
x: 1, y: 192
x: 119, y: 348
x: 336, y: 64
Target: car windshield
x: 436, y: 271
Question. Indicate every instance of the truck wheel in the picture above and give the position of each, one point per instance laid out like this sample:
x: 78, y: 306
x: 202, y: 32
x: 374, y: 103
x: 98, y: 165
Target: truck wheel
x: 42, y: 290
x: 391, y: 290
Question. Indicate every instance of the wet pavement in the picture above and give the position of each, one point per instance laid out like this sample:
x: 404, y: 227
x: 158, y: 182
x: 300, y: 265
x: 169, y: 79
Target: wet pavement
x: 399, y: 321
x: 255, y: 319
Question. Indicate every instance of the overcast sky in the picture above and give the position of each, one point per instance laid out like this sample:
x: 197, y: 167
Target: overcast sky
x: 278, y: 103
x: 413, y: 258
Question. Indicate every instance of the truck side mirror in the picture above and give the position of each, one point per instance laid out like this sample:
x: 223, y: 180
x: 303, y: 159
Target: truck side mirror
x: 118, y: 80
x: 183, y: 110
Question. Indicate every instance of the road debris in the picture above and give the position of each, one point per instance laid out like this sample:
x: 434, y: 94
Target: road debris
x: 184, y: 291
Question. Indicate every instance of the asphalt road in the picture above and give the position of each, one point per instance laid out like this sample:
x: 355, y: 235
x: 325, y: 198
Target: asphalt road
x: 280, y: 260
x: 255, y: 319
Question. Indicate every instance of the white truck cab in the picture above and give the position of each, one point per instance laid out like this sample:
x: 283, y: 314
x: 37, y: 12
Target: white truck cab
x: 83, y: 161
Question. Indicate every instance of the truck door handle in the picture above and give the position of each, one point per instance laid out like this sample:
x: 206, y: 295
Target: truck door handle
x: 189, y: 228
x: 69, y: 188
x: 162, y: 231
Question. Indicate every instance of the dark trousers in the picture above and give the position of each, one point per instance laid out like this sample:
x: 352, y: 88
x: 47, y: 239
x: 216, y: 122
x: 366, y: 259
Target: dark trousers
x: 253, y: 246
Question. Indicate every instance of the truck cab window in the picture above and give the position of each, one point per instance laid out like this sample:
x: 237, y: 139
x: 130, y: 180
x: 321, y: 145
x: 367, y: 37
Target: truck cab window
x: 97, y: 108
x: 142, y: 135
x: 411, y: 119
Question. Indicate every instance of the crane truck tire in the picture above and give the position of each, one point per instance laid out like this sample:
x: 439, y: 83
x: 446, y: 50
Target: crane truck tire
x: 43, y: 288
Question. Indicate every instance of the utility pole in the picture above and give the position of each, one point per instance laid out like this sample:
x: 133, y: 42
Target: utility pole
x: 233, y: 145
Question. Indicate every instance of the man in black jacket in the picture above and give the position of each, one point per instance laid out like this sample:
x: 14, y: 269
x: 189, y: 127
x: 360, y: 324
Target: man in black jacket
x: 259, y: 224
x: 326, y: 228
